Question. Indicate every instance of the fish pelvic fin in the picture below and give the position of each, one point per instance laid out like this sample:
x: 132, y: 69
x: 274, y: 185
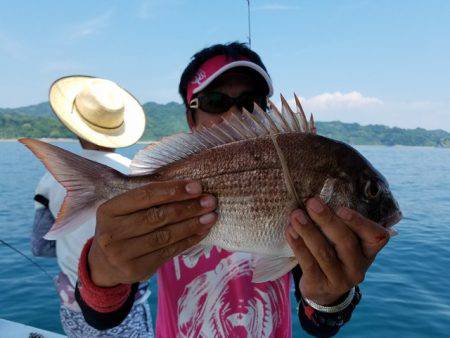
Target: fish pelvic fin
x: 79, y: 176
x: 271, y: 268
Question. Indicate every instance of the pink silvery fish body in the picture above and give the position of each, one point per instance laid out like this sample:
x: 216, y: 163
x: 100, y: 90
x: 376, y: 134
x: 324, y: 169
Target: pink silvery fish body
x: 259, y: 165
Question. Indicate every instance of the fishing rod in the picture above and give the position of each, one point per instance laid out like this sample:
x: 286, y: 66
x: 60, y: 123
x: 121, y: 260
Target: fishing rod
x: 249, y: 26
x: 27, y: 258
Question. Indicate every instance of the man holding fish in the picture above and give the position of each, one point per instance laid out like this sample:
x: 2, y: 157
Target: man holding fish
x: 224, y: 215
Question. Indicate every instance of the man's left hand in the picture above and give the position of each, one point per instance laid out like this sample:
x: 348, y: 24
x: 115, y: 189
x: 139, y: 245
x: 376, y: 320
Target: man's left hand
x: 334, y: 250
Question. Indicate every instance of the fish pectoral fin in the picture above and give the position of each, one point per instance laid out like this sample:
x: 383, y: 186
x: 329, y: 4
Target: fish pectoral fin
x: 272, y: 268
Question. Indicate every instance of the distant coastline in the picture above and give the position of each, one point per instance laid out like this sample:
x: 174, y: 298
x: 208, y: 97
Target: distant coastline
x: 73, y: 140
x: 38, y: 121
x: 64, y: 139
x: 45, y: 139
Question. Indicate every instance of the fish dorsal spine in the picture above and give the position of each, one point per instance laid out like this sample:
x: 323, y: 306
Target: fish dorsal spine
x: 233, y: 128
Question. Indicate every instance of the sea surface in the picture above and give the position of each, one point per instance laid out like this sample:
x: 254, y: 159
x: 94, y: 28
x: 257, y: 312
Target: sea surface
x: 406, y: 292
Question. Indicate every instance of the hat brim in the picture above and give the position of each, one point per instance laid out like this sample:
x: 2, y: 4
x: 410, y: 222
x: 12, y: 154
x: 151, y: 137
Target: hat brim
x: 62, y: 96
x: 235, y: 64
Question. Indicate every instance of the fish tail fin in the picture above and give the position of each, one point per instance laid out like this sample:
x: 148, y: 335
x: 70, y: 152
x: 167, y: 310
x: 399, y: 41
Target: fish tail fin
x: 79, y: 176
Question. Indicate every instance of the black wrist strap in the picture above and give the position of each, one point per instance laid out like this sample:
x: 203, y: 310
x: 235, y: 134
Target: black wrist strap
x: 41, y: 199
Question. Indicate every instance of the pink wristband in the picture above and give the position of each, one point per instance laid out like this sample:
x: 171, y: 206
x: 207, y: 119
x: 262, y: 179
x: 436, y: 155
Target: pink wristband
x: 100, y: 299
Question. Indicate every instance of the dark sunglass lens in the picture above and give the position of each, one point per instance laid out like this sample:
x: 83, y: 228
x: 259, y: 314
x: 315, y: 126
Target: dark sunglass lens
x: 214, y: 102
x: 262, y: 102
x: 247, y: 101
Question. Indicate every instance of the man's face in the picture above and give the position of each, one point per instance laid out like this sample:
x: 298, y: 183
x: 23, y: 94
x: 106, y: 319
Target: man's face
x: 231, y: 83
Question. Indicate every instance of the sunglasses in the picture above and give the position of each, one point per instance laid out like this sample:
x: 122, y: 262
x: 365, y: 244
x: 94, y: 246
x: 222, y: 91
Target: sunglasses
x: 217, y: 103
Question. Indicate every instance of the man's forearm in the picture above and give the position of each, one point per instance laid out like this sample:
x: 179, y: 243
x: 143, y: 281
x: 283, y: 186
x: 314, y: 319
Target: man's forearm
x: 106, y: 320
x: 102, y: 308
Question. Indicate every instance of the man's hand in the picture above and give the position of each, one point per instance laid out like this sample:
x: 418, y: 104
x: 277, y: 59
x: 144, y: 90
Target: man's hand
x: 334, y: 250
x: 141, y: 229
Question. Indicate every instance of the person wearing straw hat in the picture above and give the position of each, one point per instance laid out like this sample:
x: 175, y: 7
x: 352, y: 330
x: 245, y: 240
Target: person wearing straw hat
x: 104, y: 117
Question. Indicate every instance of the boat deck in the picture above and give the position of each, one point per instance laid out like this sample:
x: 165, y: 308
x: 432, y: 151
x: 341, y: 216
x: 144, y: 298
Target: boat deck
x: 10, y: 329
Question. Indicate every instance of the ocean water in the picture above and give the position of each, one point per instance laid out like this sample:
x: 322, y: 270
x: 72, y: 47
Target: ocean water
x: 406, y: 292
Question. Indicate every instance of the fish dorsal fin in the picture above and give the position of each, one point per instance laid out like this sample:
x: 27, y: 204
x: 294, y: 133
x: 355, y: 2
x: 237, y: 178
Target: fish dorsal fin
x: 233, y: 128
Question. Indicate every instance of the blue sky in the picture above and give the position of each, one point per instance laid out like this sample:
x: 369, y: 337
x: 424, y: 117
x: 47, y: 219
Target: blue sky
x: 357, y: 61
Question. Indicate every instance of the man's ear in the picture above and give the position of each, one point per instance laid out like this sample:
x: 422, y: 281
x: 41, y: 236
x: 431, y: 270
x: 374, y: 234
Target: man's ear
x: 190, y: 118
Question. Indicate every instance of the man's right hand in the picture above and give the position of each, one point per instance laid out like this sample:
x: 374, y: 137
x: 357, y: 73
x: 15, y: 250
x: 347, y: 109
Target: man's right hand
x: 138, y: 231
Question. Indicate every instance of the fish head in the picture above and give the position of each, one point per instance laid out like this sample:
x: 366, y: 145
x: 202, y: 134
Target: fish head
x: 374, y: 198
x: 355, y: 183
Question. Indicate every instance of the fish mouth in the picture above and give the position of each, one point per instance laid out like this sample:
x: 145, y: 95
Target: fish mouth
x: 390, y: 221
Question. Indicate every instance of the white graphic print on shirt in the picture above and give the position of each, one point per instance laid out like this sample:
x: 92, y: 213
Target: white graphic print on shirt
x: 207, y: 308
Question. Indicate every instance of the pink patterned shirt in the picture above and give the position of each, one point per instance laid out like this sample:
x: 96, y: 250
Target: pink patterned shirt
x: 213, y: 296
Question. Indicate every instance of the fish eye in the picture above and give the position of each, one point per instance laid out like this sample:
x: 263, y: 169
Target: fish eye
x: 372, y: 189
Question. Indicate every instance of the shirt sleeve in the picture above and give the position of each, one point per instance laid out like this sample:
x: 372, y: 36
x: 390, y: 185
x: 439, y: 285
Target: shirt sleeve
x: 102, y: 308
x: 43, y: 221
x: 321, y: 324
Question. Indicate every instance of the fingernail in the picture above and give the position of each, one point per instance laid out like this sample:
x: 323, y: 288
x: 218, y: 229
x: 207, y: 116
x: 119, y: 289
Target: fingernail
x: 315, y: 205
x: 207, y: 218
x: 344, y: 213
x: 193, y: 188
x: 208, y: 201
x: 300, y: 217
x: 292, y: 232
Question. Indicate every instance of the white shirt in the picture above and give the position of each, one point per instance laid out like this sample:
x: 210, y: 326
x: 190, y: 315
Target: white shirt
x: 69, y: 246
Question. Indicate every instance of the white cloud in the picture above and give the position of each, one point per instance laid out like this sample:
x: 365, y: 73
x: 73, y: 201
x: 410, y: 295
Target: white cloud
x: 341, y: 100
x: 92, y: 26
x: 355, y: 107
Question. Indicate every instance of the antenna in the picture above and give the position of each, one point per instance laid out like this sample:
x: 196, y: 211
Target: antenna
x: 249, y: 31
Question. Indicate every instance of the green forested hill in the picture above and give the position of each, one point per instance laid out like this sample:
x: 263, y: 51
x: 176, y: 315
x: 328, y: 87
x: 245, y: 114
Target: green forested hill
x: 166, y: 119
x: 39, y: 121
x: 37, y: 110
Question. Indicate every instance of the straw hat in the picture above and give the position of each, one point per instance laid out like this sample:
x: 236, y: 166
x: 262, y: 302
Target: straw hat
x: 98, y: 110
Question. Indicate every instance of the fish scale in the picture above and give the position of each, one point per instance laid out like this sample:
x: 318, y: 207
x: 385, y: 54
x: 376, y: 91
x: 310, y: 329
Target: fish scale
x: 245, y: 210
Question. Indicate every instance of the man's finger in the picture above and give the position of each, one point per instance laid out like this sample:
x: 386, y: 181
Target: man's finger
x: 146, y: 221
x: 373, y: 236
x: 308, y: 263
x: 152, y: 194
x: 345, y: 241
x: 168, y: 235
x: 332, y: 226
x: 318, y: 245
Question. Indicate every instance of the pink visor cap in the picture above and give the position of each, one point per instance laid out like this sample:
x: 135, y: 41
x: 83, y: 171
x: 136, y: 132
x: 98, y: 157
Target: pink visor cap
x: 214, y: 67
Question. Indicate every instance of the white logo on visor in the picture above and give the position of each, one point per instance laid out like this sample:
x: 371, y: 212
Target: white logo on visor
x: 199, y: 77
